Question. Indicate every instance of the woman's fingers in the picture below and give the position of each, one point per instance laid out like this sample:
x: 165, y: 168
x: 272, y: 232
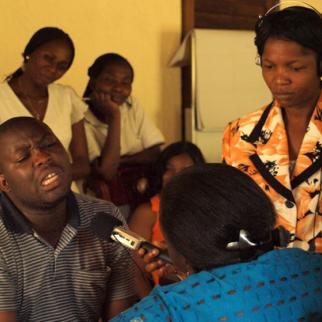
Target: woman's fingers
x: 104, y: 100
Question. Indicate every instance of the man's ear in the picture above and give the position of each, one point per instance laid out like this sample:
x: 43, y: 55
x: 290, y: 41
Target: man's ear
x: 4, y: 186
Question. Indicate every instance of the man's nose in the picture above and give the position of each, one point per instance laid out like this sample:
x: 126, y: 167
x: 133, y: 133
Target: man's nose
x: 40, y: 157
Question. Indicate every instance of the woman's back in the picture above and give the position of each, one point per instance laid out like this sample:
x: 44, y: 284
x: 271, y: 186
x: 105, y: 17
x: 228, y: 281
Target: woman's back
x: 281, y: 285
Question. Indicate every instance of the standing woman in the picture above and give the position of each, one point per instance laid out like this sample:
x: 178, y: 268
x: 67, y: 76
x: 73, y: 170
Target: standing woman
x: 30, y: 91
x: 280, y: 145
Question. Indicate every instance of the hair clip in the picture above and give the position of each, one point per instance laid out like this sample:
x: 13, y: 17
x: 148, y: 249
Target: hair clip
x: 243, y: 243
x: 279, y: 237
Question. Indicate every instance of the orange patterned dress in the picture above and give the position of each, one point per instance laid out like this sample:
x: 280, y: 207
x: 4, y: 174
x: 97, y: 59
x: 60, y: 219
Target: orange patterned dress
x: 257, y: 145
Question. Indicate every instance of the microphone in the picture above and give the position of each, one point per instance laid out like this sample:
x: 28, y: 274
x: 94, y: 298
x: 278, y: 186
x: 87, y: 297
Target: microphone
x: 106, y: 226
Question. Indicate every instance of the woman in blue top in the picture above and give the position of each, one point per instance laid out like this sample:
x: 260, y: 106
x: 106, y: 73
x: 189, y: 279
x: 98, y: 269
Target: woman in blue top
x: 218, y: 225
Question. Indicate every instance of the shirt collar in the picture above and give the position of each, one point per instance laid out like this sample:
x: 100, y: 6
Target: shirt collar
x: 16, y: 222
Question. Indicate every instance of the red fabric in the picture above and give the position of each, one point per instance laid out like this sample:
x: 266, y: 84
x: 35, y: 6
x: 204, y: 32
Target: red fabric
x: 156, y: 230
x: 122, y: 190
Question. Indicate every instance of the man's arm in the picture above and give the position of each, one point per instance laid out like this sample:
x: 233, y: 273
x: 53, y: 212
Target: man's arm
x: 8, y: 316
x: 150, y: 309
x: 116, y: 307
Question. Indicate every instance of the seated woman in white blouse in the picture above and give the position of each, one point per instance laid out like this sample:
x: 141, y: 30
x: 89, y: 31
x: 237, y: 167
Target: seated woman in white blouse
x: 120, y: 135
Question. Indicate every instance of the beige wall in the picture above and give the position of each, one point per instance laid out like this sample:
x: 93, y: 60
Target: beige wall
x: 317, y: 4
x: 147, y: 32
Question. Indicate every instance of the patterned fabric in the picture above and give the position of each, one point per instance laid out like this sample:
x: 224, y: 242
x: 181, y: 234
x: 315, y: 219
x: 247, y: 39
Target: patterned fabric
x: 157, y: 235
x: 257, y: 145
x: 156, y: 230
x: 282, y: 285
x: 71, y: 282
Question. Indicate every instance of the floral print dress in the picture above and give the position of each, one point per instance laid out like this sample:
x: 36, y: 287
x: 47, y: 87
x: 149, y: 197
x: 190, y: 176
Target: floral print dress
x: 257, y: 145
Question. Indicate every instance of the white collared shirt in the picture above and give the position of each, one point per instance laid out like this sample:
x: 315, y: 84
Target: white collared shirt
x: 137, y: 131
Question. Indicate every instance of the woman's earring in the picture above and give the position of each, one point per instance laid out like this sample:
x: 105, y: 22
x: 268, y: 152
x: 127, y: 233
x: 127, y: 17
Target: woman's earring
x: 258, y: 60
x: 23, y: 66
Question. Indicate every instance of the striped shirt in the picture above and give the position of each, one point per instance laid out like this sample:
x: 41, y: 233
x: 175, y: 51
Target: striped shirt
x: 71, y: 282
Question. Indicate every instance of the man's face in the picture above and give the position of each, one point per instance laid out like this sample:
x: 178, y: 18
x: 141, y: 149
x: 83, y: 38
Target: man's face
x: 34, y: 167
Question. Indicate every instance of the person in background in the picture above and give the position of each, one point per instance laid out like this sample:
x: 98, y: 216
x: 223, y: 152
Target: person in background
x: 53, y: 266
x: 218, y: 226
x: 145, y: 219
x: 280, y: 145
x: 120, y: 135
x: 31, y: 91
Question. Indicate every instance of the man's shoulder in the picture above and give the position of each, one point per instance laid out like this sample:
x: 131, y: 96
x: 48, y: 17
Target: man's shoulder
x: 90, y: 206
x: 85, y: 201
x: 1, y: 214
x: 4, y: 232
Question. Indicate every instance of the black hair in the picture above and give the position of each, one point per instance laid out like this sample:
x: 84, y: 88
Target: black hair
x: 172, y: 150
x: 100, y: 63
x: 41, y: 37
x: 298, y: 24
x: 18, y: 121
x: 205, y: 206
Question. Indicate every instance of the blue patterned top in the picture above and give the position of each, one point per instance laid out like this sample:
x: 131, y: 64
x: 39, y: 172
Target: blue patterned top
x: 281, y: 285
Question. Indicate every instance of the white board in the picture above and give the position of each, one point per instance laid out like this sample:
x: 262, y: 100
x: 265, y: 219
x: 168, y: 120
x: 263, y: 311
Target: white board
x: 226, y: 83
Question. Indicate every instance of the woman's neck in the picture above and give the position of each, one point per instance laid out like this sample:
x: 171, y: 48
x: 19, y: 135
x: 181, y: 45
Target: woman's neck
x: 29, y: 88
x: 301, y: 114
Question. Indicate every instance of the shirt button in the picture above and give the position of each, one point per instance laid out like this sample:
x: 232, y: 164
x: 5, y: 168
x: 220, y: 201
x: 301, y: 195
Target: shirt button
x: 289, y: 204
